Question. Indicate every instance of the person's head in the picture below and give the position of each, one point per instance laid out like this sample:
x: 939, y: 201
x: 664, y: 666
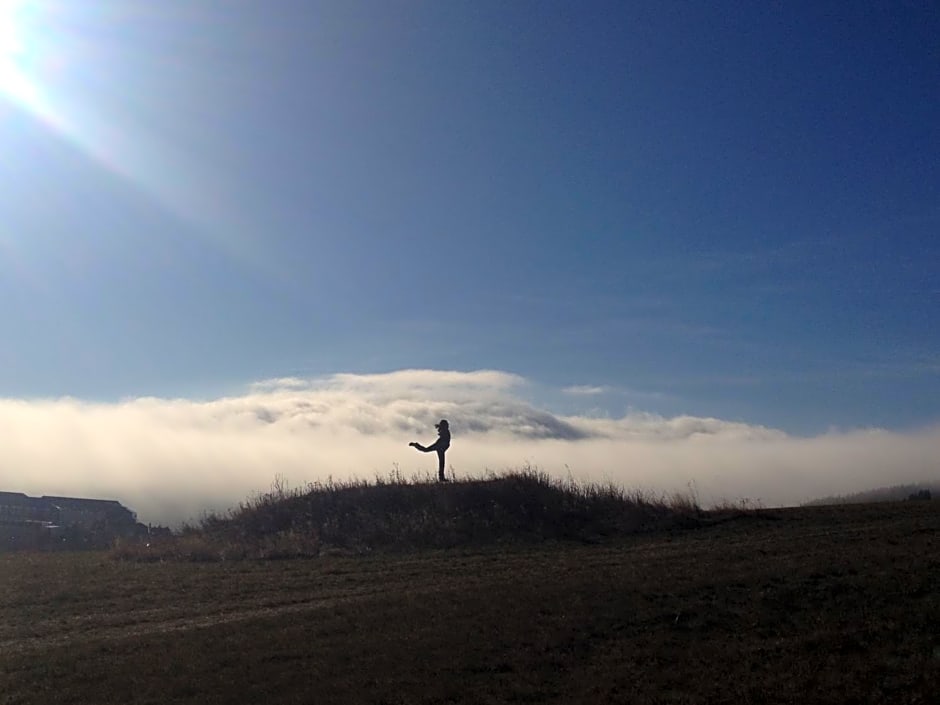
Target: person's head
x: 442, y: 425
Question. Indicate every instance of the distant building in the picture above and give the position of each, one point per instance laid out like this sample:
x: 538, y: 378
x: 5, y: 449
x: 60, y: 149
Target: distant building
x: 39, y: 522
x: 16, y: 506
x: 87, y: 513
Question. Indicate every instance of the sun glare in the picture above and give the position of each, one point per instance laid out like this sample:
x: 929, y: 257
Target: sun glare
x: 12, y: 81
x: 55, y: 67
x: 9, y: 42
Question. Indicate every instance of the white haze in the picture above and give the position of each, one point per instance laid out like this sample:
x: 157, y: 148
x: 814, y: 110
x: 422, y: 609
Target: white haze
x: 173, y: 459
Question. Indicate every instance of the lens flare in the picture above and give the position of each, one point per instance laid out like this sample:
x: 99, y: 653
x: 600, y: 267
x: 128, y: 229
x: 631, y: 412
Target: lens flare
x: 8, y: 35
x: 70, y: 64
x: 12, y: 82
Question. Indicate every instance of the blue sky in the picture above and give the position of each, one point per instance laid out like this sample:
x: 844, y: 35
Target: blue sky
x: 718, y: 209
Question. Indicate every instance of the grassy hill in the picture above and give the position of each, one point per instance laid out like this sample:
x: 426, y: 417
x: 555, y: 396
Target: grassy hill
x: 393, y: 515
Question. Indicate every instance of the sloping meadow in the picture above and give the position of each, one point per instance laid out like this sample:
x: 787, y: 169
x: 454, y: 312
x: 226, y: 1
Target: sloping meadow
x: 395, y: 514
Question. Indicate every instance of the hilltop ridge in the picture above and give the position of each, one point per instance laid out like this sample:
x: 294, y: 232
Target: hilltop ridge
x: 395, y: 514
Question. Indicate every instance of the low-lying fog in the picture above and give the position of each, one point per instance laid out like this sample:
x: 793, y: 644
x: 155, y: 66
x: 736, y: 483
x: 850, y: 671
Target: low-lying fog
x: 172, y: 459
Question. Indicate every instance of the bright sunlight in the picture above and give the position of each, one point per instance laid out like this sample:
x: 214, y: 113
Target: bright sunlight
x: 12, y: 48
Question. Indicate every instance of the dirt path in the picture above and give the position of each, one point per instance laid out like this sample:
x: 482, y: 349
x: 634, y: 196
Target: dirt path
x: 788, y: 536
x: 153, y: 622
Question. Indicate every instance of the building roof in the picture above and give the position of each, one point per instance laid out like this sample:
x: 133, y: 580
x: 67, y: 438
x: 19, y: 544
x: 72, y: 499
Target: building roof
x: 100, y: 503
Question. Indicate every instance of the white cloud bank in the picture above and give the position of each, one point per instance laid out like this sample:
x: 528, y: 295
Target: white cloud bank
x: 172, y: 459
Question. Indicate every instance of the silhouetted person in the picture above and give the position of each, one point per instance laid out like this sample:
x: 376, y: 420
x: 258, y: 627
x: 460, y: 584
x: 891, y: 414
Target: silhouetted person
x: 440, y: 445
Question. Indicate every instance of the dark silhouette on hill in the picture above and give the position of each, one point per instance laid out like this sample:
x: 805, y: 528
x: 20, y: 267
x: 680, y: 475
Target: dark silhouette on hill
x: 395, y: 514
x: 440, y: 446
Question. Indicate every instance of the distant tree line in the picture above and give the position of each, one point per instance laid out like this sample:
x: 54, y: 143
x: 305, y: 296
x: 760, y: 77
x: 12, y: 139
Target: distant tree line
x: 895, y: 493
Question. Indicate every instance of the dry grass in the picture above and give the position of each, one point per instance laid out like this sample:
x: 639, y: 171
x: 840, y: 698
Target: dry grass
x: 393, y: 514
x: 823, y: 605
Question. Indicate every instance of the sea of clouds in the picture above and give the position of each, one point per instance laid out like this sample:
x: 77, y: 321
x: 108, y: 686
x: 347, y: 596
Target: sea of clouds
x: 171, y: 460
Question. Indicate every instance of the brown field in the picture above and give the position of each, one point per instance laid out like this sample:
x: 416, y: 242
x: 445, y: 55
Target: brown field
x: 824, y: 604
